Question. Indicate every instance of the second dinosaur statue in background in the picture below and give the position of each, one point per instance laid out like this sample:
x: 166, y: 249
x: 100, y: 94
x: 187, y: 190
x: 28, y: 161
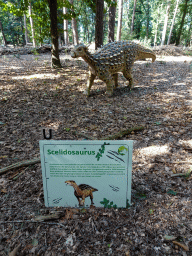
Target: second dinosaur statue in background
x: 109, y: 60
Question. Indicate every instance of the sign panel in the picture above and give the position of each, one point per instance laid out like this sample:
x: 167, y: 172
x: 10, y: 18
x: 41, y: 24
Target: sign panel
x: 81, y: 173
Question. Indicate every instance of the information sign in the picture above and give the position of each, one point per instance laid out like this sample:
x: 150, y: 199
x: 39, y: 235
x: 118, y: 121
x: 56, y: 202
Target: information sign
x: 81, y: 173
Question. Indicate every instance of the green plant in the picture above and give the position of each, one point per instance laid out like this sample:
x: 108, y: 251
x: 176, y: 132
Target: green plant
x: 108, y: 204
x: 171, y: 192
x: 140, y: 195
x: 188, y: 174
x: 128, y: 204
x: 35, y: 52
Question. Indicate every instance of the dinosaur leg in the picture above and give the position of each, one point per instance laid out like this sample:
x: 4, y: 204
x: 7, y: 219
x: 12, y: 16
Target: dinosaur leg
x: 83, y: 201
x: 127, y: 74
x: 91, y: 197
x: 90, y: 80
x: 115, y: 77
x: 79, y: 200
x: 108, y: 79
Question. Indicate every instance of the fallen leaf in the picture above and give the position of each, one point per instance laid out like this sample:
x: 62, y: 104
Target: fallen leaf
x: 169, y: 238
x: 14, y: 252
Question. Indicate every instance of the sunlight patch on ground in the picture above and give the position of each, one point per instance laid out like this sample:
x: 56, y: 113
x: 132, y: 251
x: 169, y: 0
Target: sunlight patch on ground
x: 186, y: 142
x: 154, y: 150
x: 174, y: 58
x: 51, y: 125
x: 39, y: 76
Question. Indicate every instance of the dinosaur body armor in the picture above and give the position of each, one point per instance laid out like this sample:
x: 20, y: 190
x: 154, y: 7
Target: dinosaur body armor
x: 109, y: 60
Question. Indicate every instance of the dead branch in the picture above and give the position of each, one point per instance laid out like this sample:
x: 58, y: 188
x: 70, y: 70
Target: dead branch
x: 20, y: 164
x: 123, y: 133
x: 38, y: 160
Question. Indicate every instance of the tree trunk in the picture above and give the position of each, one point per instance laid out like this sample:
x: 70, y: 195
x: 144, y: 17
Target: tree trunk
x: 26, y: 34
x: 120, y: 14
x: 65, y: 27
x: 182, y: 23
x: 4, y: 39
x: 127, y: 12
x: 32, y: 26
x: 133, y: 17
x: 165, y: 22
x: 55, y: 61
x: 146, y: 9
x: 111, y: 24
x: 99, y: 23
x: 173, y: 22
x: 190, y: 35
x: 74, y: 29
x: 156, y: 29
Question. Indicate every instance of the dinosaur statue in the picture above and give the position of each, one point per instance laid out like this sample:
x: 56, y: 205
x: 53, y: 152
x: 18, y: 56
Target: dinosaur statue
x: 109, y: 60
x: 82, y: 191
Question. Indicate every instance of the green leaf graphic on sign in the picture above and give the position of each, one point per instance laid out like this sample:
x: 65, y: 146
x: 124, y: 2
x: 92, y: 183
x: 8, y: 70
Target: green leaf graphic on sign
x: 121, y: 150
x: 101, y: 151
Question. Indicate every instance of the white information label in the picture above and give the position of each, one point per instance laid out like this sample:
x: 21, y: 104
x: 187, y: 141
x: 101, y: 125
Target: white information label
x: 81, y: 173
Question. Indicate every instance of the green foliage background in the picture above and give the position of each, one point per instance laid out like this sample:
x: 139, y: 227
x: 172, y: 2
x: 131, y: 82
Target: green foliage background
x: 149, y: 20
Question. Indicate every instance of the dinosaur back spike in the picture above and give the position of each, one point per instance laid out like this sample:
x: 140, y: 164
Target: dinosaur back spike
x: 85, y: 186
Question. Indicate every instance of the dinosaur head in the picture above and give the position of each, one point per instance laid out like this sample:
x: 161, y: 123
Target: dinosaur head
x: 70, y: 182
x: 79, y: 51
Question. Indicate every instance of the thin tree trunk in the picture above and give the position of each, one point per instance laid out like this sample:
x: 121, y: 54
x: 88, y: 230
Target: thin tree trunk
x: 127, y: 10
x: 99, y: 23
x: 173, y: 22
x: 156, y: 29
x: 55, y: 61
x: 133, y: 17
x: 157, y: 24
x: 165, y: 23
x: 148, y: 18
x: 182, y: 23
x: 111, y: 24
x: 190, y: 37
x: 65, y: 27
x: 25, y: 26
x: 59, y: 40
x: 120, y: 14
x: 4, y: 38
x: 74, y: 29
x: 32, y: 26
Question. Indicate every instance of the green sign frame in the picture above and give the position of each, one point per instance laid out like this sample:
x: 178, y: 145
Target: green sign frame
x: 81, y: 173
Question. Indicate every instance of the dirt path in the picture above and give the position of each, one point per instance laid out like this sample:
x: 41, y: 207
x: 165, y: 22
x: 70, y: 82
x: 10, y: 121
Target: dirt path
x: 33, y: 96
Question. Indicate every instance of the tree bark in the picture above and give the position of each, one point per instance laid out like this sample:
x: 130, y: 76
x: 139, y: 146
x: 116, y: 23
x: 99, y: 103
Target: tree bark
x: 173, y: 22
x: 133, y: 17
x: 26, y: 34
x: 120, y: 14
x: 32, y: 26
x: 74, y: 29
x: 146, y: 9
x: 165, y: 23
x: 65, y: 27
x: 4, y: 38
x: 111, y: 24
x: 99, y: 23
x: 55, y: 61
x: 182, y: 23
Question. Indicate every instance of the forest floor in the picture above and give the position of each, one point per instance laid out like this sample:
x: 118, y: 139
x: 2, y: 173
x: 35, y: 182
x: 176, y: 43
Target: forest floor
x: 34, y: 96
